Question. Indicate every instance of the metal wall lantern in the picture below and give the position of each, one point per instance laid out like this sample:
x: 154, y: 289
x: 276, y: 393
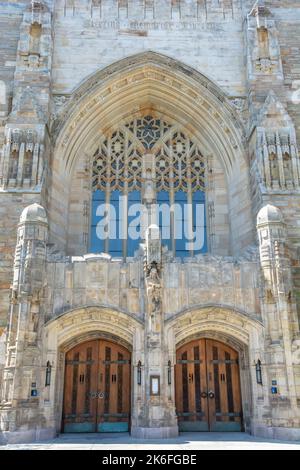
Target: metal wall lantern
x: 169, y: 373
x: 48, y: 374
x: 258, y: 372
x: 139, y: 373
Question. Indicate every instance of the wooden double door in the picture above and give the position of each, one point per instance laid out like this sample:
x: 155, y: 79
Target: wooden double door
x: 207, y: 385
x: 97, y: 388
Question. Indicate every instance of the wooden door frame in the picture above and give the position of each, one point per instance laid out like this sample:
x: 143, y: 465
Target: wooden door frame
x: 60, y: 373
x: 244, y: 369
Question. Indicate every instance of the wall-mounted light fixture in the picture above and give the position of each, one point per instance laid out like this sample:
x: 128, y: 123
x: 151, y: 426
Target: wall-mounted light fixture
x: 258, y: 372
x: 48, y: 374
x: 139, y: 373
x: 169, y: 373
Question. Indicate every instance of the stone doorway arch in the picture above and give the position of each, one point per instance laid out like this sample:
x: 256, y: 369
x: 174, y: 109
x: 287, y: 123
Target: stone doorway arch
x: 229, y: 327
x: 87, y: 324
x: 207, y: 386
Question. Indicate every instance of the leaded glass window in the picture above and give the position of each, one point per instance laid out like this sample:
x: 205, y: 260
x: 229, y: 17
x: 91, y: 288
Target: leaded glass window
x: 151, y: 162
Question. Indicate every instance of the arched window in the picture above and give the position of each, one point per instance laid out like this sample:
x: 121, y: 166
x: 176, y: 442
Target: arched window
x: 148, y: 171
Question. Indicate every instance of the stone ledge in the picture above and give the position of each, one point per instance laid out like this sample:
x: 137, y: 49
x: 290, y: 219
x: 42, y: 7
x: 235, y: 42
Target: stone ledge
x: 154, y: 433
x: 272, y: 432
x: 31, y: 435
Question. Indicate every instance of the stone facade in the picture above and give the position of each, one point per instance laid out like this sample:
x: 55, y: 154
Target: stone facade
x: 227, y: 72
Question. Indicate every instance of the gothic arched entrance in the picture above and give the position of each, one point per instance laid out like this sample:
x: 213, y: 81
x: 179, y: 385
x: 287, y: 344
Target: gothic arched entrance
x: 207, y: 386
x: 97, y: 388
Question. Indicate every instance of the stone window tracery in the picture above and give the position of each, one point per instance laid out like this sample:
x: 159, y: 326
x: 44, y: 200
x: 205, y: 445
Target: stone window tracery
x: 146, y: 149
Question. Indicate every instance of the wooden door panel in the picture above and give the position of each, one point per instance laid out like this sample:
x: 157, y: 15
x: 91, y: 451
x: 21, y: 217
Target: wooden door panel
x: 207, y: 388
x: 114, y: 414
x: 225, y: 406
x: 97, y: 388
x: 190, y: 379
x: 80, y: 379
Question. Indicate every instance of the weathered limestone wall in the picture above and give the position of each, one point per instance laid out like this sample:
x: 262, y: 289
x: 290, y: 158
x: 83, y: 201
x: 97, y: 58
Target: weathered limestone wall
x: 10, y: 207
x: 10, y: 20
x: 212, y: 281
x: 211, y: 43
x: 98, y: 280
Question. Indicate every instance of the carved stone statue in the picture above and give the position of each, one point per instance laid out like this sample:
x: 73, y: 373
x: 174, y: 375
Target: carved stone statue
x: 154, y: 300
x: 152, y: 280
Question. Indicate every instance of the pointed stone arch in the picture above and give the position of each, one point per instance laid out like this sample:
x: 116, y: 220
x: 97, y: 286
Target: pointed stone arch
x: 228, y: 326
x: 149, y: 77
x: 81, y: 325
x: 172, y: 90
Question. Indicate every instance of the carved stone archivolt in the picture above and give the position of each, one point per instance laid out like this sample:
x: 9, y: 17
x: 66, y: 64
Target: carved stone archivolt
x: 161, y: 74
x: 228, y: 322
x: 78, y: 322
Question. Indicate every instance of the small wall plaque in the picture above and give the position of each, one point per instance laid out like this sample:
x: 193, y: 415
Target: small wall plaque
x: 154, y: 385
x: 34, y: 393
x: 274, y: 390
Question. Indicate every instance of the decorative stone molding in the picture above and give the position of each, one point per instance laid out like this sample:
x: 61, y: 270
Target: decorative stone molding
x: 23, y: 158
x: 263, y: 54
x: 22, y: 165
x: 84, y: 321
x: 223, y: 320
x: 159, y: 72
x: 34, y: 51
x: 277, y: 157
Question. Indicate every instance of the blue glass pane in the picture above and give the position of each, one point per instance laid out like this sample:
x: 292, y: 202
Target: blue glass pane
x: 199, y: 209
x: 115, y: 195
x: 162, y: 196
x: 134, y: 226
x: 181, y: 208
x: 134, y: 196
x: 199, y: 196
x: 96, y: 245
x: 99, y: 195
x: 180, y: 196
x: 98, y: 212
x: 164, y: 220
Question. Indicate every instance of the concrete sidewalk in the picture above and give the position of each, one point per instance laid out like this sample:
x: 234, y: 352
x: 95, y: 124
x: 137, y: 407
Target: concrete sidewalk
x: 186, y: 441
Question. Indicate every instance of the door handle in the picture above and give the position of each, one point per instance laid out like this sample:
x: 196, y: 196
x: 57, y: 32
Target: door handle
x: 211, y: 394
x: 203, y: 395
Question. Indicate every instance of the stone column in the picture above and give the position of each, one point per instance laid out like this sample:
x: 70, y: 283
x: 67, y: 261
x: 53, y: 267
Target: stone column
x: 157, y: 418
x: 24, y: 374
x: 280, y: 320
